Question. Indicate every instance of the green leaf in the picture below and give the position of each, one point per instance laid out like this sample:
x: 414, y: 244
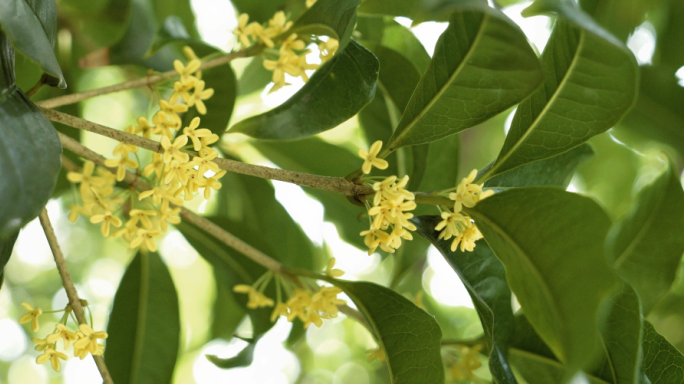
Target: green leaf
x: 589, y: 84
x: 335, y: 93
x: 554, y: 171
x: 646, y: 246
x: 409, y: 336
x: 401, y: 39
x: 227, y: 312
x: 482, y: 65
x: 551, y: 243
x: 663, y: 363
x: 670, y: 49
x: 621, y: 339
x: 254, y: 77
x: 29, y: 151
x: 242, y: 359
x: 485, y: 279
x: 619, y: 17
x: 31, y: 26
x: 441, y: 168
x: 172, y: 30
x: 334, y: 18
x: 410, y: 253
x: 417, y: 10
x: 263, y: 10
x: 144, y: 327
x: 6, y: 247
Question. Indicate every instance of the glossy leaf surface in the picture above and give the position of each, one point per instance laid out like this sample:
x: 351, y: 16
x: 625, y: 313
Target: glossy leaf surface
x: 144, y: 327
x: 646, y: 246
x: 482, y: 65
x: 554, y: 262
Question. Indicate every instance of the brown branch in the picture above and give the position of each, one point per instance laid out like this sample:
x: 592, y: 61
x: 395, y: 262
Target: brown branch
x: 144, y: 81
x: 333, y: 184
x: 69, y: 287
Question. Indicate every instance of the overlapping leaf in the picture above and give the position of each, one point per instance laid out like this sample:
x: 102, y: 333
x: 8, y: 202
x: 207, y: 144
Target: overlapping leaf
x: 482, y: 65
x: 335, y: 93
x: 647, y: 245
x: 589, y: 84
x: 663, y: 363
x: 409, y: 336
x: 335, y: 18
x: 485, y: 279
x: 6, y: 247
x: 144, y: 327
x: 31, y: 26
x: 551, y: 243
x: 29, y: 151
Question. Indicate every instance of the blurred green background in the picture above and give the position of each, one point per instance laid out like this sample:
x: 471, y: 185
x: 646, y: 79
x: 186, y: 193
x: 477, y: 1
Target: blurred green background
x: 96, y: 32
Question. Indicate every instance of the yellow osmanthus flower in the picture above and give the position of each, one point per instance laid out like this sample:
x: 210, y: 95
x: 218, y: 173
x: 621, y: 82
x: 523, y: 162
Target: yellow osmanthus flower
x: 263, y: 35
x: 164, y: 125
x: 303, y: 65
x: 287, y: 63
x: 31, y: 316
x: 85, y: 177
x: 213, y: 183
x: 256, y: 299
x: 370, y: 158
x: 206, y: 142
x: 168, y: 215
x: 173, y: 151
x: 330, y: 269
x: 244, y: 30
x: 184, y: 71
x: 467, y: 363
x: 53, y: 356
x: 279, y: 310
x: 142, y: 216
x: 156, y: 166
x: 468, y: 193
x: 328, y: 49
x: 278, y: 24
x: 121, y: 164
x: 41, y: 344
x: 376, y: 354
x: 75, y: 210
x: 172, y: 111
x: 195, y: 134
x: 146, y: 238
x: 107, y: 219
x: 180, y: 90
x: 62, y: 333
x: 204, y: 163
x: 143, y: 127
x: 292, y: 42
x: 88, y: 338
x: 198, y: 96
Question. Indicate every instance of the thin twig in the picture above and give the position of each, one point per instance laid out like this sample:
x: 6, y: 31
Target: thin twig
x: 69, y: 287
x: 144, y: 81
x: 36, y: 88
x: 333, y: 184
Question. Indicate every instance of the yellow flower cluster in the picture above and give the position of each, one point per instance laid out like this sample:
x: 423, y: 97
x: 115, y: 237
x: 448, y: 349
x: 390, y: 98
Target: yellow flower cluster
x: 310, y: 307
x: 467, y: 361
x: 292, y: 54
x: 172, y: 173
x: 84, y: 340
x: 455, y: 223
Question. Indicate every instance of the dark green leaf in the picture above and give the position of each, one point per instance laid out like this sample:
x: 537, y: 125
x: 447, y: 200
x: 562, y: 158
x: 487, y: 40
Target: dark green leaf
x: 144, y: 327
x: 621, y: 337
x: 441, y: 169
x: 619, y: 17
x: 647, y: 245
x: 263, y: 10
x: 6, y: 247
x: 554, y: 171
x: 482, y: 65
x: 551, y: 243
x: 254, y: 78
x: 409, y: 336
x: 542, y: 370
x: 104, y: 22
x: 180, y: 9
x: 670, y: 50
x: 171, y: 30
x: 589, y: 84
x: 29, y: 151
x: 335, y: 92
x: 296, y: 333
x: 242, y: 359
x: 401, y: 39
x: 31, y: 26
x: 227, y: 312
x: 485, y: 279
x: 663, y: 363
x: 417, y: 10
x: 334, y: 18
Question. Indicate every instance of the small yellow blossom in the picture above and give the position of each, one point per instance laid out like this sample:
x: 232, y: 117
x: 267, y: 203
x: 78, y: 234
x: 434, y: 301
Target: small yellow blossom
x: 198, y: 96
x: 206, y: 142
x: 146, y: 237
x: 106, y: 219
x: 121, y: 164
x: 195, y: 134
x: 181, y: 88
x: 143, y: 127
x: 303, y: 65
x: 328, y: 49
x: 286, y: 63
x: 243, y: 30
x: 88, y: 338
x: 376, y: 354
x: 370, y: 158
x: 279, y: 310
x: 156, y: 166
x: 278, y: 24
x: 159, y: 194
x: 213, y: 183
x: 205, y: 163
x: 292, y: 42
x: 468, y: 362
x: 85, y: 178
x: 164, y: 125
x: 172, y: 111
x: 173, y: 151
x: 75, y: 210
x: 186, y: 71
x: 256, y: 299
x: 41, y: 344
x: 262, y: 34
x: 139, y: 215
x: 168, y: 215
x: 53, y: 356
x: 451, y: 224
x: 330, y: 271
x: 31, y: 316
x: 62, y: 333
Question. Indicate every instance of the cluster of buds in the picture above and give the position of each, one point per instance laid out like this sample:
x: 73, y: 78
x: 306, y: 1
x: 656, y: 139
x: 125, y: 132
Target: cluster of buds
x: 463, y: 363
x: 172, y: 173
x: 457, y: 224
x: 311, y: 307
x: 389, y: 216
x: 83, y: 340
x: 292, y: 53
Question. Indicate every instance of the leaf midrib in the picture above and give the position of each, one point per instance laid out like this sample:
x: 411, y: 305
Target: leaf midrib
x: 142, y: 317
x: 447, y: 85
x: 546, y: 291
x: 548, y: 105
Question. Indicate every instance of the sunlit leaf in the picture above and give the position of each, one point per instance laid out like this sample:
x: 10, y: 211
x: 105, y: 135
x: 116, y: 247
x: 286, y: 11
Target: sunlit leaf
x: 482, y: 65
x: 589, y: 84
x: 335, y: 92
x: 551, y: 243
x: 144, y: 327
x: 335, y: 18
x: 647, y: 245
x: 409, y: 336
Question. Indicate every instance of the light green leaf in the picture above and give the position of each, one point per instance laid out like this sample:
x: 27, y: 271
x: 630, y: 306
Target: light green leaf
x: 589, y: 84
x: 485, y: 279
x: 29, y: 151
x: 6, y: 247
x: 647, y: 245
x: 621, y: 339
x: 551, y: 243
x: 482, y: 65
x: 31, y: 26
x: 409, y: 336
x: 254, y: 77
x: 554, y: 171
x: 663, y: 363
x: 144, y: 327
x: 401, y: 39
x: 543, y: 370
x: 335, y: 93
x: 335, y: 18
x: 227, y: 313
